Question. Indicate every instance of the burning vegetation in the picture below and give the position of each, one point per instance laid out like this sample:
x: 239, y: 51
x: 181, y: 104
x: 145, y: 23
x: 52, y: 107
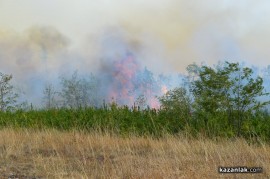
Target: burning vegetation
x: 123, y: 81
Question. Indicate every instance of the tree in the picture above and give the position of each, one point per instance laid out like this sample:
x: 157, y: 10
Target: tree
x: 71, y: 92
x: 90, y: 88
x: 266, y: 80
x: 177, y: 104
x: 141, y: 102
x: 79, y: 92
x: 7, y: 95
x: 49, y: 96
x: 145, y: 88
x: 228, y: 89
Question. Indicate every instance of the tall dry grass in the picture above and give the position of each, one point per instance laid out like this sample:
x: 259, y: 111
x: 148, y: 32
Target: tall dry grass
x: 55, y: 154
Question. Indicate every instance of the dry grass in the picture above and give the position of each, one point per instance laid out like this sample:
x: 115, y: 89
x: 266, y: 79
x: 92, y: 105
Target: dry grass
x: 54, y: 154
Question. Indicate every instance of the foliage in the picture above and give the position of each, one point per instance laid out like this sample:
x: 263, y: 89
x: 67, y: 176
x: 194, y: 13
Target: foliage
x: 79, y: 92
x: 49, y: 97
x: 177, y: 104
x: 7, y: 95
x: 126, y: 121
x: 227, y: 90
x: 222, y: 101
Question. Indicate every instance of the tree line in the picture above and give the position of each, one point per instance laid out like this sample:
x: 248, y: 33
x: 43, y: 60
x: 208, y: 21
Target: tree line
x: 227, y: 97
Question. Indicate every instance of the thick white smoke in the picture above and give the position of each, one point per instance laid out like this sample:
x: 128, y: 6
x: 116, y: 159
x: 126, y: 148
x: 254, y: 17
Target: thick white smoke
x: 39, y: 41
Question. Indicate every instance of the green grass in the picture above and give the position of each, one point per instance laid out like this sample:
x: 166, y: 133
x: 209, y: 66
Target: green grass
x: 126, y: 121
x: 120, y: 120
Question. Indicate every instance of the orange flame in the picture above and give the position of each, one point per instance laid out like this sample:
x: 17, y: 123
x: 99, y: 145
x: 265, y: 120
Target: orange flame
x: 164, y: 89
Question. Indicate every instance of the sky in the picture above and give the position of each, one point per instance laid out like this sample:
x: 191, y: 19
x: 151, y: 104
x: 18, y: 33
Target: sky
x: 45, y: 39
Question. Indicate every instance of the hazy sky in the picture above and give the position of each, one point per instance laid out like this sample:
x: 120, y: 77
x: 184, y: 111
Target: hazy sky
x: 186, y: 31
x: 167, y: 35
x: 40, y: 40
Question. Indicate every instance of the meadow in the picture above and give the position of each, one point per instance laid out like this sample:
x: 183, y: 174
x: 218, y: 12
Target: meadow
x: 134, y: 89
x: 49, y: 153
x: 185, y: 133
x: 121, y: 142
x: 125, y: 121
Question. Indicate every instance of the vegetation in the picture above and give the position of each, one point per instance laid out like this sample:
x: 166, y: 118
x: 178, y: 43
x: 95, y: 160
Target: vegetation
x: 227, y: 97
x: 74, y: 154
x: 224, y: 101
x: 7, y: 95
x: 217, y: 119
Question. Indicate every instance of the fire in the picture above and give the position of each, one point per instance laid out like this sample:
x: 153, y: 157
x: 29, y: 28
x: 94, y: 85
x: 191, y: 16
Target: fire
x: 154, y: 103
x: 124, y: 73
x: 164, y: 89
x: 129, y: 82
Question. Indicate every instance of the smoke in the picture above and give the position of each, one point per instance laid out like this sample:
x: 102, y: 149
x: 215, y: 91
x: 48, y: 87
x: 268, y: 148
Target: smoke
x: 122, y: 69
x: 33, y: 57
x: 187, y: 30
x: 40, y: 41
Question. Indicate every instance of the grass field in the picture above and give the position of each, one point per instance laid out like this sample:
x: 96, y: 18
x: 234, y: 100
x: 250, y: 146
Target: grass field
x: 49, y: 153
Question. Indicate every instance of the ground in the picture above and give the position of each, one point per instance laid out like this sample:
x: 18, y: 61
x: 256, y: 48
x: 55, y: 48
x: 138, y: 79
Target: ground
x: 56, y: 154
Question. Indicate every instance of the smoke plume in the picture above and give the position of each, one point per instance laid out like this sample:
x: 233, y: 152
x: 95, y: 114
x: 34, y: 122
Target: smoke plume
x: 40, y: 41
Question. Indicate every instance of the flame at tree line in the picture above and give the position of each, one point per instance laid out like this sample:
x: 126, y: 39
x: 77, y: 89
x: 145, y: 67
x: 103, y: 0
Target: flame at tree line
x: 123, y: 80
x: 129, y: 83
